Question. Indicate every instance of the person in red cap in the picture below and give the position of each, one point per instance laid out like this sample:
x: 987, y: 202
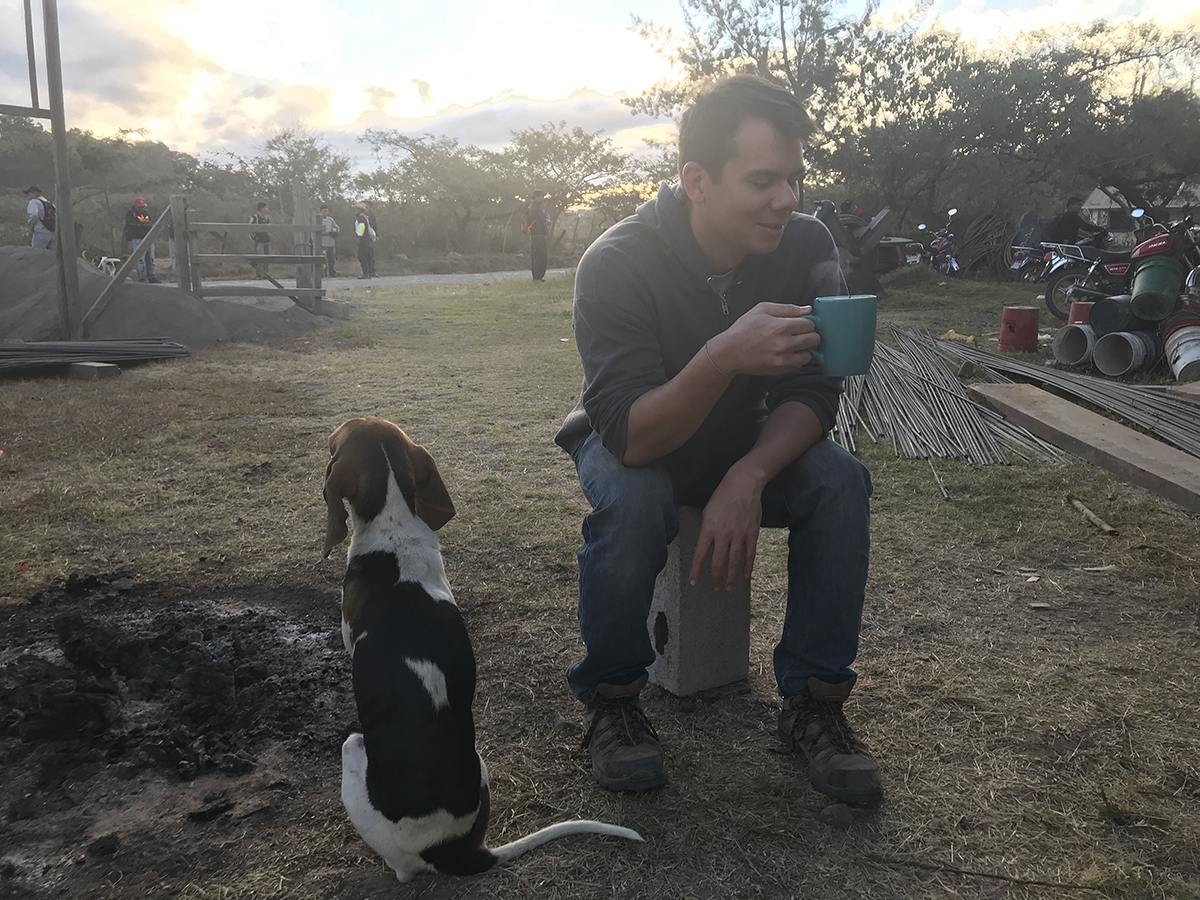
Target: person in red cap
x: 138, y: 220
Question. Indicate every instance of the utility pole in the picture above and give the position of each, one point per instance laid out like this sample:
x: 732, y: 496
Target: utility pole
x: 68, y: 277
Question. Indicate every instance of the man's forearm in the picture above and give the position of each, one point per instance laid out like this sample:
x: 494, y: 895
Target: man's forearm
x: 663, y: 418
x: 790, y: 430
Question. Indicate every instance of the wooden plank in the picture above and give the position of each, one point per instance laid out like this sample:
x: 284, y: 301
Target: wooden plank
x: 8, y: 109
x: 183, y: 263
x: 106, y: 295
x: 225, y: 290
x: 1133, y: 456
x: 247, y: 228
x: 259, y: 258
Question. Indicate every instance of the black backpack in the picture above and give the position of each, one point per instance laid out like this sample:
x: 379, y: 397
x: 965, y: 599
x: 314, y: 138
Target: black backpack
x: 49, y: 216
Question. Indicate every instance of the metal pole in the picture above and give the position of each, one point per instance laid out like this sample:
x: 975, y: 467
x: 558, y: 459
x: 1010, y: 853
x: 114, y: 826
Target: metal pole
x: 69, y: 273
x: 30, y: 52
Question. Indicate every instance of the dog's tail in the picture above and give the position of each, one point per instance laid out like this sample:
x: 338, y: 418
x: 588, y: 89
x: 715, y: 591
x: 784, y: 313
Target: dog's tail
x: 550, y: 832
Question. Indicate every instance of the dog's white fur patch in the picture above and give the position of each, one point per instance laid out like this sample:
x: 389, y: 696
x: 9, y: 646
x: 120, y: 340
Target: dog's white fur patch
x: 399, y: 843
x: 432, y: 678
x: 414, y: 544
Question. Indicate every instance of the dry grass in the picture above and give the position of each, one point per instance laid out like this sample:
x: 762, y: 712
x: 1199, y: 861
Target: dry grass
x: 1049, y: 745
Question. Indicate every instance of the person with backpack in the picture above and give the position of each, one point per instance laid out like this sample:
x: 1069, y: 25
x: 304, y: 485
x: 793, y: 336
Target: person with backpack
x: 262, y: 239
x: 537, y: 226
x: 138, y: 222
x: 43, y: 220
x: 366, y: 240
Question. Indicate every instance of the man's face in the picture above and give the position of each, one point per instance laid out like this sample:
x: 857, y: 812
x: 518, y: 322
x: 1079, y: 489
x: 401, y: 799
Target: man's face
x: 746, y: 211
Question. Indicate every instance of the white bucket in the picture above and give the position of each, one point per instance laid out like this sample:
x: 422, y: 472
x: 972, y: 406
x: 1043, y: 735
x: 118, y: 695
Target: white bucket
x: 1123, y: 352
x: 1073, y: 344
x: 1183, y: 354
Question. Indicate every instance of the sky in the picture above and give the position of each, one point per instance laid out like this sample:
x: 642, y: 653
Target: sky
x: 207, y: 76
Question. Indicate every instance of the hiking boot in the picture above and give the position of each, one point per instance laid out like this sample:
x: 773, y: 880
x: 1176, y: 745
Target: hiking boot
x: 839, y: 765
x: 626, y: 754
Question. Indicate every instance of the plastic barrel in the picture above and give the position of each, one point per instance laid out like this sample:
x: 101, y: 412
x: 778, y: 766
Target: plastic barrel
x: 1184, y: 316
x: 1115, y: 314
x: 1074, y: 344
x: 1156, y: 287
x: 1183, y: 353
x: 1018, y: 329
x: 1081, y: 311
x: 1123, y: 352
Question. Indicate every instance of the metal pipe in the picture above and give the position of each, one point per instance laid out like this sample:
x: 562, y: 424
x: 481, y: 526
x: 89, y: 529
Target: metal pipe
x: 65, y: 231
x: 30, y: 52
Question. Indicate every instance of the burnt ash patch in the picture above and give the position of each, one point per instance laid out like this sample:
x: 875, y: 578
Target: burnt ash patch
x: 189, y: 687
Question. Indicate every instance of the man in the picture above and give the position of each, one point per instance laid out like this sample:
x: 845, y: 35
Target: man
x: 262, y: 239
x: 42, y: 218
x: 329, y: 227
x: 699, y: 389
x: 537, y: 226
x: 369, y: 207
x: 1066, y: 227
x: 366, y: 240
x: 138, y: 222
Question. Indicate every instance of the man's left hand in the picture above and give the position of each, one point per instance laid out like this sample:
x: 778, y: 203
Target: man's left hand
x: 729, y: 528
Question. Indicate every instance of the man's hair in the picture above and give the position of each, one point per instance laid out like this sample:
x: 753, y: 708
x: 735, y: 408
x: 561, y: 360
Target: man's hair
x: 262, y: 206
x: 1074, y: 201
x: 324, y: 207
x: 708, y: 126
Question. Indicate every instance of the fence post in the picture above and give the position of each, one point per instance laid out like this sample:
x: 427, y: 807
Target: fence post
x: 183, y: 264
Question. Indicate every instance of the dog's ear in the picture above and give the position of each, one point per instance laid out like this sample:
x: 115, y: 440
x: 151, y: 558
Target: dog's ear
x: 432, y: 500
x: 335, y: 491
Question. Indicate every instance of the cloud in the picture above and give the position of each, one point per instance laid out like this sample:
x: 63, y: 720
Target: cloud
x: 424, y: 89
x: 379, y: 97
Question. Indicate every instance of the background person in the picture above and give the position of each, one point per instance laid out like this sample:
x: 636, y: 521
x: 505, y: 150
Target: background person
x: 537, y: 226
x: 262, y: 239
x: 138, y: 221
x: 1066, y: 227
x: 699, y: 389
x: 42, y: 217
x: 329, y: 228
x: 369, y: 207
x: 366, y: 240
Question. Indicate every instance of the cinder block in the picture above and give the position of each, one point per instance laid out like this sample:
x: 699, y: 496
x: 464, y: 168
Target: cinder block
x: 334, y: 308
x: 701, y: 637
x: 93, y: 371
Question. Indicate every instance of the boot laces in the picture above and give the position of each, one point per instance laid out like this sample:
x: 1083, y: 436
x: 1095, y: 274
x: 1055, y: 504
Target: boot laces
x: 834, y: 728
x: 620, y: 721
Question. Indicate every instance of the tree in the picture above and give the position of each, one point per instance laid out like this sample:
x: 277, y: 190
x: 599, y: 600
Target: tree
x: 566, y: 163
x: 295, y: 155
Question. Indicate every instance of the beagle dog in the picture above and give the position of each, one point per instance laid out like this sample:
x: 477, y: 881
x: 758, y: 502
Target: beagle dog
x: 413, y: 784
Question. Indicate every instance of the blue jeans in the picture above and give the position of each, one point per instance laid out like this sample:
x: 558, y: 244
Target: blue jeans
x: 823, y: 498
x: 145, y: 263
x: 43, y: 240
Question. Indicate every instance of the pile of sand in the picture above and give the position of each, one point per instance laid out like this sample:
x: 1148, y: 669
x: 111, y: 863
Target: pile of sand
x: 29, y: 307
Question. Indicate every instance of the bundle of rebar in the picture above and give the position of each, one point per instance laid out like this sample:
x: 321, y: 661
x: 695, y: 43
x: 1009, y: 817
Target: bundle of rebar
x: 1170, y: 417
x: 29, y: 355
x: 911, y: 399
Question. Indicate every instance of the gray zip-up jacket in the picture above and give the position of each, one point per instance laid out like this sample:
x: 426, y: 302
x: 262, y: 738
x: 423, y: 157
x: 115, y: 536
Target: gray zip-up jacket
x: 646, y: 303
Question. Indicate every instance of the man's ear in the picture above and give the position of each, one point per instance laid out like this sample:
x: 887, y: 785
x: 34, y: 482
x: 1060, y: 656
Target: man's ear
x: 695, y: 181
x: 431, y: 499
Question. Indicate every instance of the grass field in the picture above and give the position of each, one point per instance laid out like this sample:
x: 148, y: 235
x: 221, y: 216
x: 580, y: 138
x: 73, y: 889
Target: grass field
x: 1022, y: 745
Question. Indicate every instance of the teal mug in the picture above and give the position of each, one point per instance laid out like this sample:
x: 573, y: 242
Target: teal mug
x: 847, y: 329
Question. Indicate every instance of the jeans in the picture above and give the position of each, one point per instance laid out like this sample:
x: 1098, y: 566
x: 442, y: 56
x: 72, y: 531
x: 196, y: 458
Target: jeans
x: 145, y: 263
x: 330, y: 257
x: 261, y: 248
x: 822, y: 498
x: 43, y: 240
x: 366, y: 258
x: 537, y: 256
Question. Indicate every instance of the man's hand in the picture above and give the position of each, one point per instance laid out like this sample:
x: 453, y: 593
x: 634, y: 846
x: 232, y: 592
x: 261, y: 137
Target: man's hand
x: 729, y: 528
x: 770, y: 339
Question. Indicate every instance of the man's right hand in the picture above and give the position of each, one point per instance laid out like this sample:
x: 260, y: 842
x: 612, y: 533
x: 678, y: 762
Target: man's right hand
x: 770, y: 339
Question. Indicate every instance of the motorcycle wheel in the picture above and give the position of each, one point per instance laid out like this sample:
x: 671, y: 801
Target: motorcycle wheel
x: 1058, y: 300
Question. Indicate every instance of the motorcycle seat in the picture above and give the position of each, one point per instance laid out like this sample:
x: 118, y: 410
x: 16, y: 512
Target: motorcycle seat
x: 1096, y: 254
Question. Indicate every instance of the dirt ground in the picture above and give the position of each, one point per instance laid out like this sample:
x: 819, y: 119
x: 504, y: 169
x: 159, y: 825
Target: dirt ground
x: 174, y: 692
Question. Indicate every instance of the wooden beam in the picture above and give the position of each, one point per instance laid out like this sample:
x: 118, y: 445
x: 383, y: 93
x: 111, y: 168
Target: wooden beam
x: 259, y: 258
x: 122, y: 273
x: 1133, y: 456
x: 248, y: 228
x: 27, y: 111
x: 183, y: 258
x: 225, y: 290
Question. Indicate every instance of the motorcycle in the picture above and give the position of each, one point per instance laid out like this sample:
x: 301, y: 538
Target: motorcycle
x: 1024, y: 258
x: 1112, y: 272
x: 941, y: 248
x: 1082, y: 271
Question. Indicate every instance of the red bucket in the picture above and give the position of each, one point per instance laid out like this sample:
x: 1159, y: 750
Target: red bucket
x: 1081, y: 312
x: 1019, y: 329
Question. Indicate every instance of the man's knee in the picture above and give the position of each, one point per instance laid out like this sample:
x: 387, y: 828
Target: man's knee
x: 638, y: 503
